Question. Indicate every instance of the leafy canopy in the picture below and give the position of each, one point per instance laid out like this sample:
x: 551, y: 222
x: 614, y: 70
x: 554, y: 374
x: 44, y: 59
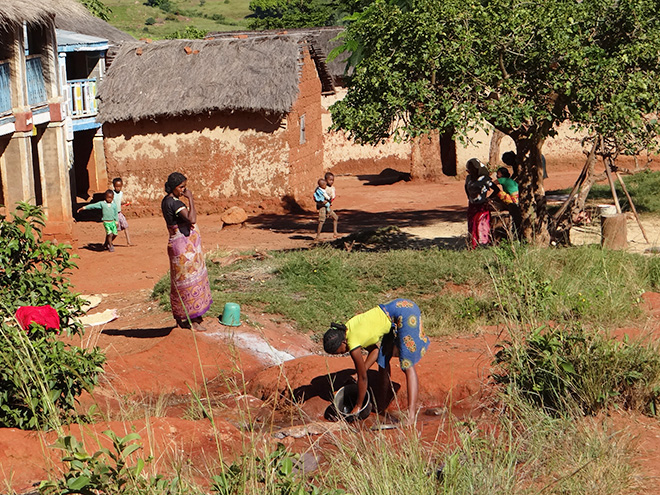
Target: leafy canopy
x: 523, y: 67
x: 283, y: 14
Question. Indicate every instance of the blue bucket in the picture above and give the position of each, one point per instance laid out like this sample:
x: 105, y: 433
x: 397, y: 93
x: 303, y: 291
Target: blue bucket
x: 231, y: 315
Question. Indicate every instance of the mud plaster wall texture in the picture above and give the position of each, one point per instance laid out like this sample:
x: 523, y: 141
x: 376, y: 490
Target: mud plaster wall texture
x: 343, y: 156
x: 229, y: 159
x: 562, y: 151
x: 306, y: 152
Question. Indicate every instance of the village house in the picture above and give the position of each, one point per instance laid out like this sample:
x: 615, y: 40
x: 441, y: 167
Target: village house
x: 240, y: 117
x: 425, y: 159
x: 34, y: 165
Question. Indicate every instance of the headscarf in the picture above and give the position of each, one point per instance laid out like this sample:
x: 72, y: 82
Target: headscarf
x: 173, y: 180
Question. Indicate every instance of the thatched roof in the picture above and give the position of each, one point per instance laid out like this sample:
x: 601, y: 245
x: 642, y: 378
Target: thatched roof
x: 188, y: 77
x: 322, y: 39
x: 84, y: 22
x: 37, y: 11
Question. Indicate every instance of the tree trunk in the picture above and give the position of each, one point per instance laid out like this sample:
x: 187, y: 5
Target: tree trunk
x: 494, y: 149
x: 532, y: 193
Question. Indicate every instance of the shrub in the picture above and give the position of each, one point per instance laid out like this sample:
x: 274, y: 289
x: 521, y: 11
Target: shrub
x: 109, y: 471
x: 40, y: 376
x: 34, y: 272
x: 150, y: 21
x: 189, y: 33
x: 566, y: 367
x: 219, y: 18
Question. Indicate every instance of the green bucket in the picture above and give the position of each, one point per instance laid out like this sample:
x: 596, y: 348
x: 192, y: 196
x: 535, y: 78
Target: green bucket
x: 231, y: 315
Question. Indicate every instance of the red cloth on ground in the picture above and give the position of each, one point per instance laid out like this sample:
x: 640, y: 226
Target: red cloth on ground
x: 45, y: 316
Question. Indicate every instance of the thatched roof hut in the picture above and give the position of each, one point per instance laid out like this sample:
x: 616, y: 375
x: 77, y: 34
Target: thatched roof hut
x: 14, y: 12
x: 188, y: 77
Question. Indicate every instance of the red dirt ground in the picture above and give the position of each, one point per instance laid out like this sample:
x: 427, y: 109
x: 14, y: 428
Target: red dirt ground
x: 148, y: 359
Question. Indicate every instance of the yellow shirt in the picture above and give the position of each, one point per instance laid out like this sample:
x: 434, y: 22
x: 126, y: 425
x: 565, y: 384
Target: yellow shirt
x: 367, y: 328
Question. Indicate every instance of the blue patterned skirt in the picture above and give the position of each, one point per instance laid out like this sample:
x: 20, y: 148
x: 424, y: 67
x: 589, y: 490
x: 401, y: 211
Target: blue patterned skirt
x: 407, y: 334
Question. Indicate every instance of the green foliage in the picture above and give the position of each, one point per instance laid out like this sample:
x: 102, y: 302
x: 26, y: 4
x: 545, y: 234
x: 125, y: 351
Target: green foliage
x: 189, y: 33
x: 98, y: 8
x: 164, y: 5
x: 111, y: 471
x: 279, y: 14
x: 274, y: 473
x: 282, y: 14
x: 455, y: 65
x: 34, y: 272
x: 40, y: 376
x: 565, y: 367
x: 150, y: 21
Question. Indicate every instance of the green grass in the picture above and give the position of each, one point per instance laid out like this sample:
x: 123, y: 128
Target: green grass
x: 457, y: 291
x: 130, y: 16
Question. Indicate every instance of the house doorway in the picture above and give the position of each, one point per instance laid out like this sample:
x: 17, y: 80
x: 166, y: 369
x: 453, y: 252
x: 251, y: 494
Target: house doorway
x: 36, y: 164
x: 83, y: 162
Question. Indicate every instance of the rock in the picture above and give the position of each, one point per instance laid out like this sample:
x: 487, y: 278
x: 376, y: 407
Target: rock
x: 234, y: 215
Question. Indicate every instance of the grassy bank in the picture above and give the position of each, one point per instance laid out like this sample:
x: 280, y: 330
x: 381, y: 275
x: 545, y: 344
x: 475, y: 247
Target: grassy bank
x: 457, y: 291
x: 143, y: 21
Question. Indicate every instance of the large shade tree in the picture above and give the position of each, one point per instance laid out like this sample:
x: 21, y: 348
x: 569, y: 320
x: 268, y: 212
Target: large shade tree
x: 521, y: 66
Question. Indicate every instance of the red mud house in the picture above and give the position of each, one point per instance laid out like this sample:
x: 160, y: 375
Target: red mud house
x: 34, y: 164
x: 241, y: 117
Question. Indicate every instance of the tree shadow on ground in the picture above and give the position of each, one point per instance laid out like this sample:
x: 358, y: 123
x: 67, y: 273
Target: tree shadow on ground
x: 386, y: 177
x: 358, y: 223
x: 139, y: 333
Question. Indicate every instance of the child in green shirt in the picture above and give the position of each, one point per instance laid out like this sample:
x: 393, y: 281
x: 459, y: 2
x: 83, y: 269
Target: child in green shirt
x: 109, y: 217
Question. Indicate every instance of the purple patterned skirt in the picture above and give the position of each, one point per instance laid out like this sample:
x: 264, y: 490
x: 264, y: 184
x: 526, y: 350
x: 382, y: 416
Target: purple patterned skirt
x: 190, y: 293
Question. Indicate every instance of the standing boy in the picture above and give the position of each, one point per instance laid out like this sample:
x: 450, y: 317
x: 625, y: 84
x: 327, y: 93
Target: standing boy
x: 323, y: 206
x: 109, y: 218
x: 122, y: 224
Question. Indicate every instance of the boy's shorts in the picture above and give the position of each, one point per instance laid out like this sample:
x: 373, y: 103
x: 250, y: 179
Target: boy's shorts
x: 323, y: 213
x: 122, y: 224
x: 110, y: 227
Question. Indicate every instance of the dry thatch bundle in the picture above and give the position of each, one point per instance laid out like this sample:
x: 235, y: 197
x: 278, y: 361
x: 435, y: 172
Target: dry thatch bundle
x: 188, y: 77
x: 14, y: 12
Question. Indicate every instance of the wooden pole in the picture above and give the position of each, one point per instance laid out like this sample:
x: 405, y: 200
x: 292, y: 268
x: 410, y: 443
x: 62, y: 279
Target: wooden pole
x: 608, y: 172
x: 632, y: 205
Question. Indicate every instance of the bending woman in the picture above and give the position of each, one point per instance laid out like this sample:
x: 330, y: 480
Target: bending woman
x: 397, y: 325
x: 190, y: 293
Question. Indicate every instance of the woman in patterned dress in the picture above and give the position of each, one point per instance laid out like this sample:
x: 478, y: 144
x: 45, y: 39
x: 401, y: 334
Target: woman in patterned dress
x: 190, y: 293
x: 397, y: 326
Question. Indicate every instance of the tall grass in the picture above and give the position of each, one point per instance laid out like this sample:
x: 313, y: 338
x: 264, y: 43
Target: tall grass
x: 526, y: 452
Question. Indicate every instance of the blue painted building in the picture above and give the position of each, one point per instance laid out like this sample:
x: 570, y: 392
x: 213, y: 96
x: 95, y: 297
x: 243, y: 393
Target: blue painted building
x: 82, y: 66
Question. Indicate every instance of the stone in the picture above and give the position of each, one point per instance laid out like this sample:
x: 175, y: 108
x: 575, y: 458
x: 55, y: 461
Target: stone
x: 234, y: 215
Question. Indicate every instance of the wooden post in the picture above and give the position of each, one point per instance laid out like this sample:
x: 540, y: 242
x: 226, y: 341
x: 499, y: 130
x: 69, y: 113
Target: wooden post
x: 608, y: 172
x: 614, y: 231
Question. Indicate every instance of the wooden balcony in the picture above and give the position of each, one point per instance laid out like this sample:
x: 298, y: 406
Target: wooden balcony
x: 81, y: 97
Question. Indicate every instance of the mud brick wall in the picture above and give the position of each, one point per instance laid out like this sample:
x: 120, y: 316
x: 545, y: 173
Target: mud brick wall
x: 306, y: 154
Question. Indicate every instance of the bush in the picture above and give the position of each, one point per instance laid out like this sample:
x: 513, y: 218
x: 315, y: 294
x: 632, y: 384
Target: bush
x: 40, y: 376
x: 109, y: 471
x: 189, y: 33
x: 150, y: 21
x: 562, y: 368
x: 219, y: 18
